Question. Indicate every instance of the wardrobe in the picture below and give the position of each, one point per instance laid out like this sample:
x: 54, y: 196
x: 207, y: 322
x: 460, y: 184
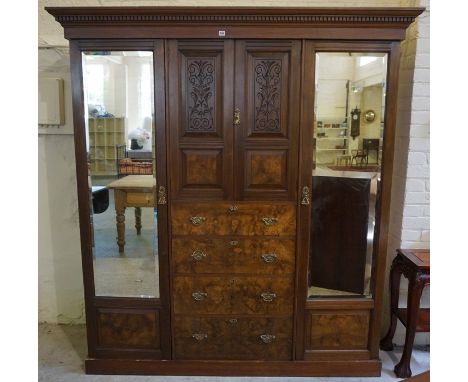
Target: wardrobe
x: 256, y: 251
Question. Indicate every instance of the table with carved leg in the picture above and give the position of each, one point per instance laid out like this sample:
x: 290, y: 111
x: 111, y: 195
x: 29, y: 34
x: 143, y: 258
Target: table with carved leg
x: 131, y: 191
x: 415, y: 266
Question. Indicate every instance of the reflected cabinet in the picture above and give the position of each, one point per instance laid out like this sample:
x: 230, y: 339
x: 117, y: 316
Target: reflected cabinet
x: 234, y: 171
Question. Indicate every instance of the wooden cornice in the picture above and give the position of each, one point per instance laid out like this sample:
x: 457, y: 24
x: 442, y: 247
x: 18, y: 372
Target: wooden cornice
x: 261, y: 17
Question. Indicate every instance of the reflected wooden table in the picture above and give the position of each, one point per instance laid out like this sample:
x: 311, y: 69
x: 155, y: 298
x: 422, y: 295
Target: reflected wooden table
x: 131, y: 191
x: 414, y: 264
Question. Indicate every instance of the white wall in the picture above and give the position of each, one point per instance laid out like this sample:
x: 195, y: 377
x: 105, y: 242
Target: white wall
x: 60, y: 278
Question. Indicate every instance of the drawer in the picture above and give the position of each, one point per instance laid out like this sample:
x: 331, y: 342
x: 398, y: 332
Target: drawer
x: 233, y: 295
x: 249, y: 219
x: 140, y: 199
x: 233, y: 337
x: 233, y: 255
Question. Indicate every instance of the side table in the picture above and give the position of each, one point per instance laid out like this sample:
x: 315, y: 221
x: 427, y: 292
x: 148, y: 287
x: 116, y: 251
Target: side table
x: 415, y: 266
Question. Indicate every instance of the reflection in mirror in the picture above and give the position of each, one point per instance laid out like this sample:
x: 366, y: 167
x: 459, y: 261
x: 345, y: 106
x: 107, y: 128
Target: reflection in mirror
x: 348, y: 137
x: 118, y: 101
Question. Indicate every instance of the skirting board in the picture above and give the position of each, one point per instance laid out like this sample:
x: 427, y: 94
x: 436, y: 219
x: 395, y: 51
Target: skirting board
x: 361, y: 368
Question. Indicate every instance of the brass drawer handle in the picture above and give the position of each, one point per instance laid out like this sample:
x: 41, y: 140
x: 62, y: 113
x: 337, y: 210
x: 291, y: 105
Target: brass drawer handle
x: 199, y: 296
x: 198, y: 254
x: 268, y: 297
x: 197, y: 220
x: 267, y: 338
x: 270, y: 221
x: 232, y: 321
x: 234, y: 243
x: 233, y: 208
x: 200, y: 336
x: 269, y: 257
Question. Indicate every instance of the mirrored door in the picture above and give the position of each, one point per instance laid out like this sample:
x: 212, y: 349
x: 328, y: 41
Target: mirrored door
x: 120, y: 143
x: 348, y: 133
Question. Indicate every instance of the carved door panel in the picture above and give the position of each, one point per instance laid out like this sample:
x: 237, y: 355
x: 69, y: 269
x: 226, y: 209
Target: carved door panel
x: 267, y: 99
x: 200, y: 105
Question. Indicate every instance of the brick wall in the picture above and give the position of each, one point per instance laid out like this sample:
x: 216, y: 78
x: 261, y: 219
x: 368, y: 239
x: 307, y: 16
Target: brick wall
x: 410, y: 212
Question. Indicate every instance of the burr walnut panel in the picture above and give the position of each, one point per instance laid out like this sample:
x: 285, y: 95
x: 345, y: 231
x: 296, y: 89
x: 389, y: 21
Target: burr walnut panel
x: 266, y: 168
x: 202, y: 167
x: 130, y: 329
x: 233, y: 337
x: 243, y: 219
x: 332, y: 330
x: 233, y: 295
x: 233, y: 255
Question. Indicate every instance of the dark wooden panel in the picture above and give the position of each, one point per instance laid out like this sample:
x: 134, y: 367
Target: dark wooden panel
x: 233, y: 294
x: 233, y: 255
x: 337, y: 330
x: 334, y: 355
x: 233, y: 338
x: 200, y: 77
x: 267, y: 96
x: 128, y: 328
x: 244, y: 219
x: 340, y: 215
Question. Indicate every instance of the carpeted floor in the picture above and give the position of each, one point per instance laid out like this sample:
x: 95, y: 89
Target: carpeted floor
x: 62, y: 350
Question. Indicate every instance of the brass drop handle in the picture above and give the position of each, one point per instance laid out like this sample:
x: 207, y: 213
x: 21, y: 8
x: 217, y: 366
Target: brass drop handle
x: 233, y: 208
x: 236, y: 121
x: 269, y: 257
x: 233, y: 321
x: 268, y: 297
x: 197, y: 220
x: 198, y: 254
x: 233, y: 243
x: 267, y: 338
x: 200, y: 336
x: 269, y: 221
x: 199, y: 296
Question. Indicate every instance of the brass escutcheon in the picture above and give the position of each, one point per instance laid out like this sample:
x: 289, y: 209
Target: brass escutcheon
x: 234, y: 243
x: 305, y: 196
x: 162, y: 195
x: 233, y: 208
x: 233, y: 320
x: 236, y: 121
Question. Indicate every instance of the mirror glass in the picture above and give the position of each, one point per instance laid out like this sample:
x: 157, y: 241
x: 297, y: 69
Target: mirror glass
x: 119, y: 120
x: 348, y: 137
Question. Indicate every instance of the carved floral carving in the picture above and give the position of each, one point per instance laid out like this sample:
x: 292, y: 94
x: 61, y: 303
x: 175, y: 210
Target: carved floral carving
x: 267, y: 77
x: 200, y: 101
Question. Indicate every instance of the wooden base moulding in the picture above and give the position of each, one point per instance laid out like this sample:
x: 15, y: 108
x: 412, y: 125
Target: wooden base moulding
x: 361, y: 368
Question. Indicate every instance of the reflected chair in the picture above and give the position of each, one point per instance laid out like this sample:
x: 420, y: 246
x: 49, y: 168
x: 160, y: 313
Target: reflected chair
x: 360, y: 155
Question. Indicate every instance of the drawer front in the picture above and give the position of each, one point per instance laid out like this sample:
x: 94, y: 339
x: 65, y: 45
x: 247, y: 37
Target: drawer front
x: 140, y: 199
x: 233, y: 255
x: 233, y: 295
x: 232, y: 337
x: 247, y: 219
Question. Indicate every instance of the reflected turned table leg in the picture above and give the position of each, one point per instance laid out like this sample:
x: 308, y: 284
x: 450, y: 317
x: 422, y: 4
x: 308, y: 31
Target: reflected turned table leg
x: 120, y: 218
x: 138, y: 220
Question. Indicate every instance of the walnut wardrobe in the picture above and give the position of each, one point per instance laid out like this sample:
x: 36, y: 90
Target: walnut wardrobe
x: 256, y: 168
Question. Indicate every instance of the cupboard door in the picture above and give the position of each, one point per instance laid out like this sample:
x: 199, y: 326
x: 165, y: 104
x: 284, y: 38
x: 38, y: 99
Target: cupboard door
x: 200, y: 102
x: 267, y: 98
